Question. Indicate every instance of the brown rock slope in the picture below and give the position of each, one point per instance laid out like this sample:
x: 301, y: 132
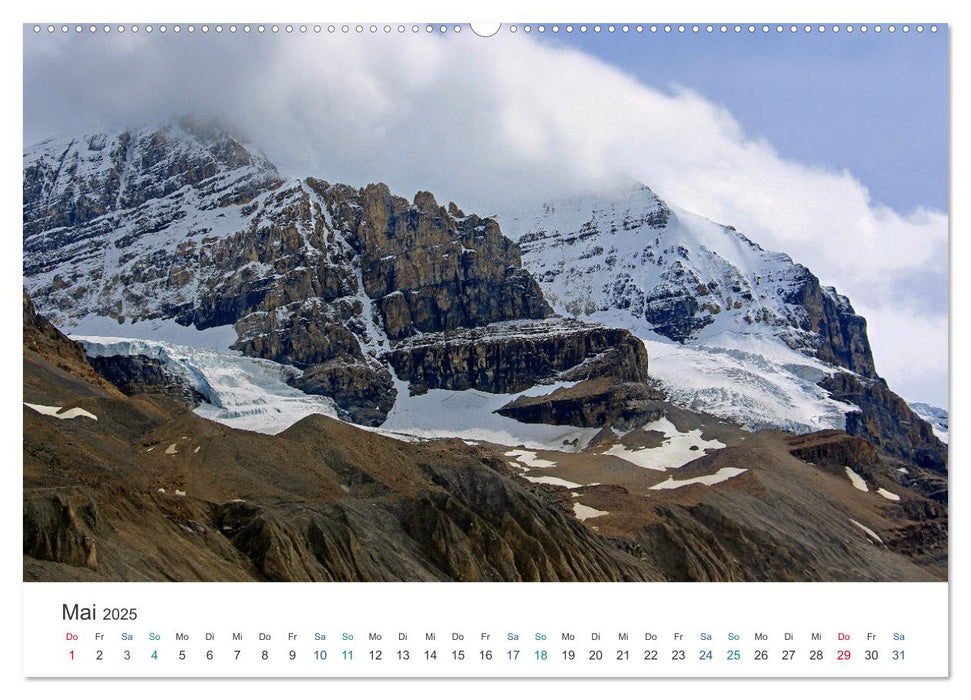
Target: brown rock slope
x: 793, y: 515
x: 150, y: 491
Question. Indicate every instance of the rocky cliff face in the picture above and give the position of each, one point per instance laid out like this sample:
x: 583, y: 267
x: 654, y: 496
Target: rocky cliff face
x: 887, y: 421
x: 184, y: 222
x: 591, y: 404
x: 138, y: 374
x: 508, y: 358
x: 829, y: 317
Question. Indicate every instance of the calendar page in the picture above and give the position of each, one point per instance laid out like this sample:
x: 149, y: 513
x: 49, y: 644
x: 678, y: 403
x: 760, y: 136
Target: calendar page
x: 603, y: 349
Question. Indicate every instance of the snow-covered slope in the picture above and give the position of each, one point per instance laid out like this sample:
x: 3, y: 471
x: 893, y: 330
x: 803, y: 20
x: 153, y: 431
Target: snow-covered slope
x: 240, y: 392
x: 731, y: 329
x: 673, y: 272
x: 763, y: 385
x: 669, y: 272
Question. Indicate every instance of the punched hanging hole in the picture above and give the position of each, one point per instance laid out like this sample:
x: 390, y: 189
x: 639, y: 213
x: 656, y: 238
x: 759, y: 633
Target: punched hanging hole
x: 485, y: 29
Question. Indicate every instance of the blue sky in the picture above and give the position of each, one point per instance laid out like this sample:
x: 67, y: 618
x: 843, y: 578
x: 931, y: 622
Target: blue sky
x: 875, y: 104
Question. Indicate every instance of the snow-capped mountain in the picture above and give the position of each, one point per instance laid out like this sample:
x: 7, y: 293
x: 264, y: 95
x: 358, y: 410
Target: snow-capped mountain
x: 732, y: 329
x: 202, y: 283
x: 182, y: 222
x: 646, y: 265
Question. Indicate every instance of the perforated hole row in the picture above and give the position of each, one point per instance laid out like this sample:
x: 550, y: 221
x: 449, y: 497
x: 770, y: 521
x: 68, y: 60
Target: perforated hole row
x: 512, y: 28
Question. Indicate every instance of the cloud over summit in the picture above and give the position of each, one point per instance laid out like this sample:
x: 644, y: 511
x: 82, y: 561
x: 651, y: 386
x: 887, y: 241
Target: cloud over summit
x: 507, y: 122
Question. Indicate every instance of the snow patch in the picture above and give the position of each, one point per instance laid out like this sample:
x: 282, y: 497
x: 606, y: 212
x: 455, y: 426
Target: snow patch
x: 723, y: 474
x: 553, y: 481
x: 469, y: 415
x: 586, y: 512
x: 856, y: 480
x: 888, y: 495
x: 56, y: 411
x: 675, y: 450
x: 530, y: 459
x: 870, y: 533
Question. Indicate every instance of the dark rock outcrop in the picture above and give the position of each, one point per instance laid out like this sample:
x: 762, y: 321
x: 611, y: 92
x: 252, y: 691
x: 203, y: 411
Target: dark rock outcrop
x: 590, y: 404
x: 62, y: 526
x: 887, y: 421
x: 675, y: 315
x: 363, y: 394
x: 840, y: 332
x: 138, y: 374
x: 508, y: 358
x: 834, y: 449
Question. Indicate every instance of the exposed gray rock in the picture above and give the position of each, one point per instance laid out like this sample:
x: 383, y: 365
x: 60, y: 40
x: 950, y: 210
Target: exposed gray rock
x: 887, y: 421
x: 138, y: 374
x: 184, y: 222
x: 508, y: 358
x: 590, y: 404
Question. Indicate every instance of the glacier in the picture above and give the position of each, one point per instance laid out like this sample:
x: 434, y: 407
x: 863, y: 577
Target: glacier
x: 241, y: 392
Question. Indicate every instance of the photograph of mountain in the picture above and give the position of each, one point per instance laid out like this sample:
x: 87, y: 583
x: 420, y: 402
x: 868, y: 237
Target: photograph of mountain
x: 422, y: 306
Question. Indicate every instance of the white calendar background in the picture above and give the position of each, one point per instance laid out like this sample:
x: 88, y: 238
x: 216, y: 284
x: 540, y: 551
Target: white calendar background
x: 486, y: 630
x: 920, y: 611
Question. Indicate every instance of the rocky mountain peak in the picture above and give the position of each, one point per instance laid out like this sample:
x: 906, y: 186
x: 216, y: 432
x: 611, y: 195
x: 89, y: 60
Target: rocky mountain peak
x: 657, y: 269
x: 70, y: 181
x: 184, y: 223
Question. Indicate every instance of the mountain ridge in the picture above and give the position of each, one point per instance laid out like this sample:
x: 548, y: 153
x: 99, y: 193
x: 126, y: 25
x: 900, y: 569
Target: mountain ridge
x: 340, y: 282
x: 329, y: 278
x: 637, y: 262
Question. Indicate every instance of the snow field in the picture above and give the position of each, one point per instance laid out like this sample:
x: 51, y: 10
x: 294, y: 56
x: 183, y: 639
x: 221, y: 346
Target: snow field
x: 673, y: 453
x: 874, y: 537
x: 586, y: 512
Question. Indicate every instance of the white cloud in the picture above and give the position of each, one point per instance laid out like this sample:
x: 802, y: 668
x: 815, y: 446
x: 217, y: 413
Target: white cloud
x: 496, y: 123
x: 911, y: 351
